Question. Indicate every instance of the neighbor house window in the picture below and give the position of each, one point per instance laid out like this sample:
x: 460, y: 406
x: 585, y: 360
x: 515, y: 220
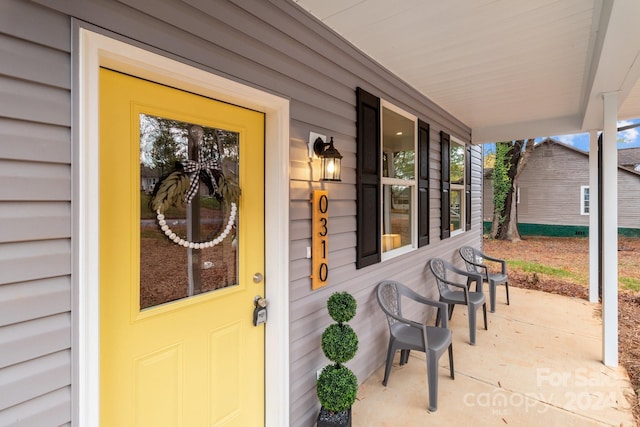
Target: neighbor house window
x: 392, y: 180
x: 584, y: 200
x: 398, y: 178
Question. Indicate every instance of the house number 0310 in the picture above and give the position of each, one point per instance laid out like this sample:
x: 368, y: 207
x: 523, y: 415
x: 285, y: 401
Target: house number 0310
x: 319, y: 239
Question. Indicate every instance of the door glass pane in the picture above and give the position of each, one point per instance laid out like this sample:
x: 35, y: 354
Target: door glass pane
x: 188, y: 202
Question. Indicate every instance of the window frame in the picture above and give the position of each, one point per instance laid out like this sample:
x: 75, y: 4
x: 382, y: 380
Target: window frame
x: 389, y: 181
x: 461, y: 188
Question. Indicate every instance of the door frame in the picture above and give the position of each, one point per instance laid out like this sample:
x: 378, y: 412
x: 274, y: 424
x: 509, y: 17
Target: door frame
x: 91, y: 51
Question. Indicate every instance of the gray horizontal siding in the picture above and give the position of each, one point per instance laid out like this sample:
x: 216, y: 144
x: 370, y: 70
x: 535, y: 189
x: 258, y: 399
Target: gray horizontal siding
x: 25, y: 181
x: 23, y: 221
x: 276, y: 46
x: 550, y: 190
x: 35, y: 377
x: 28, y: 340
x: 550, y: 187
x: 628, y: 200
x: 20, y: 302
x: 24, y: 261
x: 27, y: 21
x: 51, y: 409
x: 35, y: 213
x: 34, y: 63
x: 27, y: 101
x: 36, y: 142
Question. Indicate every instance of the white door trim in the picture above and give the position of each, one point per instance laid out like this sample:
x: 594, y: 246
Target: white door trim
x: 96, y: 50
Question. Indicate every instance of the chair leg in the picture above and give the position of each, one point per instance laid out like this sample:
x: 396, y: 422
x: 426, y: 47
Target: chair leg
x: 472, y: 324
x: 451, y: 307
x: 451, y: 371
x: 432, y: 380
x: 506, y: 285
x: 404, y: 357
x: 387, y: 369
x: 484, y: 311
x: 438, y: 318
x: 492, y: 295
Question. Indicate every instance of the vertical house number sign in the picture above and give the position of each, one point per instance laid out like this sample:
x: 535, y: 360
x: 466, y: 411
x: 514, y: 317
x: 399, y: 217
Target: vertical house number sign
x: 319, y: 238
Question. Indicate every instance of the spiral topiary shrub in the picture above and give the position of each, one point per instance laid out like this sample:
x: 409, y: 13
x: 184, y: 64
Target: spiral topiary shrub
x: 337, y: 385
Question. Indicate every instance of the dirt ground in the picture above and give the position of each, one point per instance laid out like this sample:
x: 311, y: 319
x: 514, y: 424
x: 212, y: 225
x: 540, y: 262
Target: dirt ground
x: 572, y: 256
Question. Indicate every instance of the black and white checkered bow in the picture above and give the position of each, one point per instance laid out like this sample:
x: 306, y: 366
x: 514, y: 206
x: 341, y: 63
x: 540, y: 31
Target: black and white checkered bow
x: 197, y: 168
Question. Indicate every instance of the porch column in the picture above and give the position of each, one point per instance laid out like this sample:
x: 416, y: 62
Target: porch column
x: 594, y: 272
x: 609, y: 225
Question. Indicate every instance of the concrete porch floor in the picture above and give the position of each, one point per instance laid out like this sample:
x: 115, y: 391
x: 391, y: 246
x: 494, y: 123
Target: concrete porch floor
x: 538, y: 364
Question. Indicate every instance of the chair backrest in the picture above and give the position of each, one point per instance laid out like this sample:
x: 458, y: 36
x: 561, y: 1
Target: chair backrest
x: 388, y: 295
x: 439, y: 269
x: 470, y: 255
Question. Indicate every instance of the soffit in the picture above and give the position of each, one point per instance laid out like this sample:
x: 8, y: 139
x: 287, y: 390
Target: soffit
x: 507, y: 68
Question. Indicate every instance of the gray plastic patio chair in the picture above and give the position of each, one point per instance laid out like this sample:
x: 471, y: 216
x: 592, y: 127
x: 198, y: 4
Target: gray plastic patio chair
x: 406, y: 335
x: 475, y: 260
x: 442, y: 270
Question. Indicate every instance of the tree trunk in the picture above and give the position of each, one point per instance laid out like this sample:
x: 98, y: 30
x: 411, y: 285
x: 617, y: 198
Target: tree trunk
x: 507, y: 220
x: 513, y: 234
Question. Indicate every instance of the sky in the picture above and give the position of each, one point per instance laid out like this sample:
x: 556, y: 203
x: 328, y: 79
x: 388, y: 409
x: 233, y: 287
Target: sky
x: 626, y: 139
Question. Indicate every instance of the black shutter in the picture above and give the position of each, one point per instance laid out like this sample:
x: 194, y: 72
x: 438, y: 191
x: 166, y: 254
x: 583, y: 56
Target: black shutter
x: 368, y: 179
x: 423, y: 183
x: 467, y: 189
x: 445, y: 208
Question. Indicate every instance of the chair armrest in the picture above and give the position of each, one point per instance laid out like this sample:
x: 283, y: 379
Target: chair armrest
x: 470, y: 276
x: 404, y: 320
x: 409, y: 293
x: 502, y: 262
x: 464, y: 288
x: 442, y: 306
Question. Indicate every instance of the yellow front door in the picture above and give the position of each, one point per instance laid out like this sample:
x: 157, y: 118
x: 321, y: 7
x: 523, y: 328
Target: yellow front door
x: 178, y: 345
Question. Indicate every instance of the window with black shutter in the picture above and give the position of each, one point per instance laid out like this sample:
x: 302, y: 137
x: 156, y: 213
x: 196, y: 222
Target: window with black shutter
x: 455, y: 186
x: 392, y: 180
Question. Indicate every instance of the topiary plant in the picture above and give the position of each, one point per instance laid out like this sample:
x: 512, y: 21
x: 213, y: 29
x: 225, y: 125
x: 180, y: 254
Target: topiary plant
x: 342, y: 307
x: 337, y: 388
x: 337, y: 385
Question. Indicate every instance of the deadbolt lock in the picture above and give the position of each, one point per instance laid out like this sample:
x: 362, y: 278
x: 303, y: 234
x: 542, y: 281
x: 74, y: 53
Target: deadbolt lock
x: 260, y: 310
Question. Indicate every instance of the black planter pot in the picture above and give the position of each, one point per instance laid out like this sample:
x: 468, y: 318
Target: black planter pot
x: 334, y: 419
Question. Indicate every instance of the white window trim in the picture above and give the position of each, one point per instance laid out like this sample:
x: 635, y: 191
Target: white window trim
x: 463, y: 211
x: 394, y: 181
x: 582, y: 205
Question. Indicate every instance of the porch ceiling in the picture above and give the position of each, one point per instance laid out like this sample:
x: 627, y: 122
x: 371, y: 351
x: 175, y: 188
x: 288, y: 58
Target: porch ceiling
x: 507, y: 68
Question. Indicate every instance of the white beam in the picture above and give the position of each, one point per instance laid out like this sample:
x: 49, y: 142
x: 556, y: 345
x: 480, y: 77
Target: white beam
x: 594, y: 271
x: 530, y: 129
x: 610, y: 231
x: 616, y: 62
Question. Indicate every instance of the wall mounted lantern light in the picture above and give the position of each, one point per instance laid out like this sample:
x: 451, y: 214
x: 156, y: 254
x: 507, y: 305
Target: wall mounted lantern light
x: 330, y: 159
